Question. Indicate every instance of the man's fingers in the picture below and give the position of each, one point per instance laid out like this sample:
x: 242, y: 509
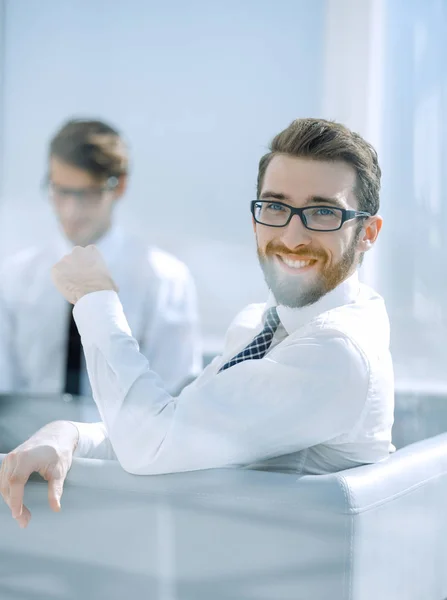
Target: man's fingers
x: 55, y: 490
x: 24, y: 518
x: 16, y: 491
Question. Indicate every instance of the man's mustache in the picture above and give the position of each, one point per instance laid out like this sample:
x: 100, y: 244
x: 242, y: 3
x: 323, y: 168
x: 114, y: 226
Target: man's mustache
x: 307, y: 253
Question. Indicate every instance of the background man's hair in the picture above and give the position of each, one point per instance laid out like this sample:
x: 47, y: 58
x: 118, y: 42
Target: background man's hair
x: 318, y: 139
x: 92, y: 146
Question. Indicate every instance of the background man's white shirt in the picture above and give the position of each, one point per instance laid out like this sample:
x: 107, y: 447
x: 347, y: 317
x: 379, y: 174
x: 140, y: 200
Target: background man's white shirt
x: 155, y: 288
x: 321, y: 400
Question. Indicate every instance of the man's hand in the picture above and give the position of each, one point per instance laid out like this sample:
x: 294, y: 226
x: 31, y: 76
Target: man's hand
x: 48, y: 452
x: 82, y: 272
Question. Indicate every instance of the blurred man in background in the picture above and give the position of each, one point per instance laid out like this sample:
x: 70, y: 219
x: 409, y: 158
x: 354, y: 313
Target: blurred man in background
x: 40, y: 349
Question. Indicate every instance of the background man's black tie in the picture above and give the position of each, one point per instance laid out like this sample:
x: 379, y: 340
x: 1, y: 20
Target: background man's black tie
x: 74, y: 357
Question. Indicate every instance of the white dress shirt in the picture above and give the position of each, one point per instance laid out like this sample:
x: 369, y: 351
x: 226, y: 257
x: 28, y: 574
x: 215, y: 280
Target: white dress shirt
x: 321, y: 400
x: 157, y: 293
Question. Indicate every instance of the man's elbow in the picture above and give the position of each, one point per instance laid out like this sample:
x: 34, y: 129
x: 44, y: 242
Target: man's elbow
x: 137, y: 456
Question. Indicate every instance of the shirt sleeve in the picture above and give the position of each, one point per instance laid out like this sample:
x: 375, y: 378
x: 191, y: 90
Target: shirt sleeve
x: 173, y: 346
x: 303, y: 394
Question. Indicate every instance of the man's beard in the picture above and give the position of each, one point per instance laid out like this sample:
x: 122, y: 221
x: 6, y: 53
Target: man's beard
x: 293, y: 290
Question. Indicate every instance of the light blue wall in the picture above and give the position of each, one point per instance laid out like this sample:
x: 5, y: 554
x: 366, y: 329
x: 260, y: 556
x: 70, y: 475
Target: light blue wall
x: 414, y: 193
x: 198, y: 87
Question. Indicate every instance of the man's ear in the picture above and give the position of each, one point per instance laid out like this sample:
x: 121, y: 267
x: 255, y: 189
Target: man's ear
x: 369, y: 233
x: 121, y: 187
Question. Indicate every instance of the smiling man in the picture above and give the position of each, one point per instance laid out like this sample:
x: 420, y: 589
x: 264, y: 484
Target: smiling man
x: 305, y: 382
x: 322, y: 193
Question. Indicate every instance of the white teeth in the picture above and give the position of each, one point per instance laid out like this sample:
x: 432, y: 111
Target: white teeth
x: 296, y: 264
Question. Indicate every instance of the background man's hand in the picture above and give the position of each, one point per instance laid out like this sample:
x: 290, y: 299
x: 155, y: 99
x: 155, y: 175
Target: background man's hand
x: 82, y: 272
x: 48, y: 452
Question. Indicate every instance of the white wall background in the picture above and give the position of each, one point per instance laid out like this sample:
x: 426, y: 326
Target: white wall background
x: 198, y: 88
x: 414, y: 154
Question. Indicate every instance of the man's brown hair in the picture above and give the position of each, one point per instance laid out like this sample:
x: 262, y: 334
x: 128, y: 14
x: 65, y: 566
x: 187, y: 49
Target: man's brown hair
x: 92, y: 146
x: 318, y: 139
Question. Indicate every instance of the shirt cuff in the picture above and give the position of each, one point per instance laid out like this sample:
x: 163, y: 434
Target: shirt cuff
x: 95, y: 313
x: 93, y: 441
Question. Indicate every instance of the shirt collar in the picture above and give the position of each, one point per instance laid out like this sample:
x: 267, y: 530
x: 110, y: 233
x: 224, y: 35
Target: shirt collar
x: 110, y: 243
x: 294, y: 318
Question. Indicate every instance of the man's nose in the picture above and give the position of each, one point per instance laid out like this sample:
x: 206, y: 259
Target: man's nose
x: 295, y: 234
x: 69, y: 207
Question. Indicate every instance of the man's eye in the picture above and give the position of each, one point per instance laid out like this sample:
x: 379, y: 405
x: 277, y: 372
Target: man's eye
x: 324, y: 212
x: 274, y: 207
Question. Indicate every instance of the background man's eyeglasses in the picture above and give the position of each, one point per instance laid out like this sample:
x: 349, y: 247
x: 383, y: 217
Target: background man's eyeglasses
x: 315, y: 218
x: 92, y: 195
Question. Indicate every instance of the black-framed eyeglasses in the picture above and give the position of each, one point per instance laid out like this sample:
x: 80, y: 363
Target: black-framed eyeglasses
x: 316, y: 218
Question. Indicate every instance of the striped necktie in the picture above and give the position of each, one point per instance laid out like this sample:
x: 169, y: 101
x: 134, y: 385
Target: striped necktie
x: 258, y: 347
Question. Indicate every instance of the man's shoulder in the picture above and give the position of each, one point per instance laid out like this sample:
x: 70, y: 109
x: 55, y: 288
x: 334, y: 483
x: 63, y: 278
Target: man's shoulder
x: 28, y: 260
x: 166, y: 266
x: 364, y: 323
x: 146, y: 264
x: 163, y: 264
x: 26, y: 269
